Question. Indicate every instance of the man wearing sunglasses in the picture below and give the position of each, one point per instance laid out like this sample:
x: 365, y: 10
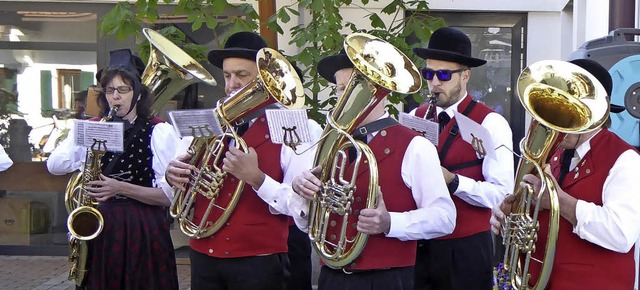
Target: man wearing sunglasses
x: 462, y: 260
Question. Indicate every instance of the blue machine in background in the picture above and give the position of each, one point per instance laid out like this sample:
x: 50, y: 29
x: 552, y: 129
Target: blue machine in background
x: 622, y: 58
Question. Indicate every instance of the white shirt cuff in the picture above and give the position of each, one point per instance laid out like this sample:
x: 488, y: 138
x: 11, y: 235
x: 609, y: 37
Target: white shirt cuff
x: 465, y: 184
x: 398, y: 223
x: 268, y: 193
x: 582, y: 207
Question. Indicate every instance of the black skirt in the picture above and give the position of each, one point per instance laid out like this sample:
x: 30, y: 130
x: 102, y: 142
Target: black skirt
x: 134, y: 250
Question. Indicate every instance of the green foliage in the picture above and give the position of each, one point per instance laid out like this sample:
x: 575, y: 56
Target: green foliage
x: 126, y: 20
x: 8, y: 107
x: 175, y: 35
x: 121, y: 21
x: 325, y: 32
x: 321, y: 36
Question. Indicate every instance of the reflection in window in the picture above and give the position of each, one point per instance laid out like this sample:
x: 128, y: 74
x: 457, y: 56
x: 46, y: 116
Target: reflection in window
x: 68, y: 88
x: 491, y: 82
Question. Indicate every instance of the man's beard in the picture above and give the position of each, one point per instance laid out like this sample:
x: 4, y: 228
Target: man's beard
x: 453, y: 97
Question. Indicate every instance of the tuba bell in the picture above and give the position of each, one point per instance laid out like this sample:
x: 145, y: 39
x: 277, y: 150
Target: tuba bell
x: 277, y: 82
x: 380, y: 69
x: 169, y: 70
x: 562, y: 98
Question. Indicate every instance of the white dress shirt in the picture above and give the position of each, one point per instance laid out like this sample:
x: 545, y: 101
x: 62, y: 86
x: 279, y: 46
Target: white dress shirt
x: 69, y: 157
x: 498, y: 173
x: 278, y: 194
x: 435, y: 215
x: 5, y: 161
x: 614, y: 225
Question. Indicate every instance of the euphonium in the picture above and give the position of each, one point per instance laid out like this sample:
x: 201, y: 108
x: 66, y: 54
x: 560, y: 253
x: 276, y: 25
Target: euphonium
x: 277, y: 81
x: 84, y: 222
x: 562, y: 98
x: 380, y: 68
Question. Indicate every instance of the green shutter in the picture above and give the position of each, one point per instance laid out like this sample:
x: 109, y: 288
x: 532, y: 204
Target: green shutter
x: 86, y: 79
x: 45, y: 91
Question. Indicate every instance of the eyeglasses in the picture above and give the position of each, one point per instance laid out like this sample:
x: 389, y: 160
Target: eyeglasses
x: 443, y: 74
x: 120, y: 89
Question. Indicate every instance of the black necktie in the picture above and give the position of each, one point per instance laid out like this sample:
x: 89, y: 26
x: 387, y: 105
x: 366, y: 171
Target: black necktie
x: 443, y: 119
x: 352, y: 150
x: 565, y: 163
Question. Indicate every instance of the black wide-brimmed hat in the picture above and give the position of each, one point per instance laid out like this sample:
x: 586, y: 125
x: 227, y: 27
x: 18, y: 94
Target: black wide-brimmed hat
x: 602, y: 75
x: 328, y: 66
x: 241, y: 45
x: 449, y: 44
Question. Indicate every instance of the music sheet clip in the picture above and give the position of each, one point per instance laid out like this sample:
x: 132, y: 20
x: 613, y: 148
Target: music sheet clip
x: 202, y: 123
x: 426, y: 128
x: 288, y: 127
x: 103, y: 136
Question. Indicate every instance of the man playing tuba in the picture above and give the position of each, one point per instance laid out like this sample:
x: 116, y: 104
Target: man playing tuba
x: 599, y: 204
x: 250, y: 250
x: 413, y: 202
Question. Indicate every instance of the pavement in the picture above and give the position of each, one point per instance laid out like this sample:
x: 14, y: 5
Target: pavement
x: 50, y: 273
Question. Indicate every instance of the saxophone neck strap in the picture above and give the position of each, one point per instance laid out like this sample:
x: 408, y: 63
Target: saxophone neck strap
x: 453, y: 132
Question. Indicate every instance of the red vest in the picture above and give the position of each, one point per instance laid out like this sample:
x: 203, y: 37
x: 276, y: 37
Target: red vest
x: 389, y: 147
x: 580, y: 264
x: 470, y: 219
x: 251, y: 230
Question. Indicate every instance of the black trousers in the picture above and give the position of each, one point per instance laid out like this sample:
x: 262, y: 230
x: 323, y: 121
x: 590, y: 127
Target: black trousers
x: 457, y: 264
x: 299, y: 259
x: 246, y: 273
x: 383, y: 279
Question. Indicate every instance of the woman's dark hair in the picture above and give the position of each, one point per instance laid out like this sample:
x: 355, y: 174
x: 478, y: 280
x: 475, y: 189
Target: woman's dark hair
x: 143, y: 108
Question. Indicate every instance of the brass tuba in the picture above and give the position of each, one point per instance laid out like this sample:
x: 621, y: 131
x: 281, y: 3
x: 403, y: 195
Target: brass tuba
x: 84, y: 222
x: 277, y: 81
x: 169, y: 70
x: 562, y: 98
x: 380, y: 69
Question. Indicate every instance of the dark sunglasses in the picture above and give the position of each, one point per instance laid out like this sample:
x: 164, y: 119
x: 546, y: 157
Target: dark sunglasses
x: 120, y: 89
x: 443, y: 74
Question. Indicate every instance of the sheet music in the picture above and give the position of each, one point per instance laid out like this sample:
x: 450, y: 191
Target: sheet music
x: 195, y: 123
x: 428, y: 129
x: 111, y: 134
x: 293, y: 122
x: 470, y: 129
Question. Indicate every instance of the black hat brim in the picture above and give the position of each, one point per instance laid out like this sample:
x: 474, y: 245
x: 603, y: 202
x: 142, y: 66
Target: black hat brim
x: 328, y: 66
x: 437, y: 54
x: 217, y: 56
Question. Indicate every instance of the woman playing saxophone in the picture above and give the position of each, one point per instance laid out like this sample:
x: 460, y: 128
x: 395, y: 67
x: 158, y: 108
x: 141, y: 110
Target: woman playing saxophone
x: 134, y: 250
